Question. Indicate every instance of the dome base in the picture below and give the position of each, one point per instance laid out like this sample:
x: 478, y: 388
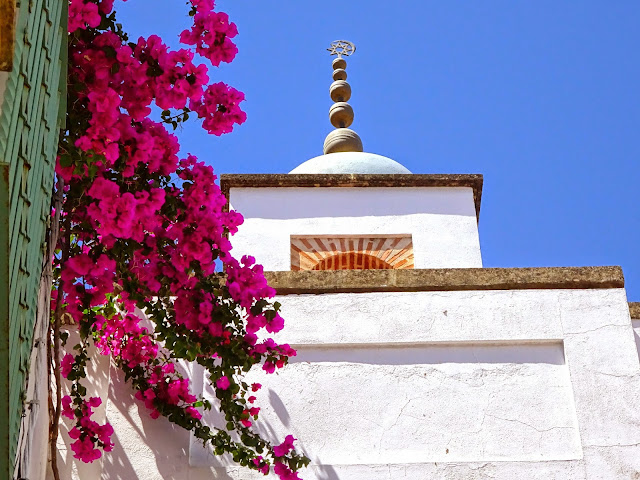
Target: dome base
x: 351, y: 162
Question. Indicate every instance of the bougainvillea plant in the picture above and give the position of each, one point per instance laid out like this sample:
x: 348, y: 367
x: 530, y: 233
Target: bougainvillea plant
x: 141, y: 230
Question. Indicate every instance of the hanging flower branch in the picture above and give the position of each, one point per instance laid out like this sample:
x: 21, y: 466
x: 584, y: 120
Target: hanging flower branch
x: 142, y: 228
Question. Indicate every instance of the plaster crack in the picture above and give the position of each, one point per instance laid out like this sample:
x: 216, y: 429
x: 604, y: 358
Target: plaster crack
x: 383, y: 432
x: 593, y: 329
x: 527, y: 424
x: 433, y: 321
x: 402, y: 411
x: 614, y: 445
x: 622, y: 375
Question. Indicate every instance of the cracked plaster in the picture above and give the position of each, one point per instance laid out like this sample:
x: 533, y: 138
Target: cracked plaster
x: 487, y: 384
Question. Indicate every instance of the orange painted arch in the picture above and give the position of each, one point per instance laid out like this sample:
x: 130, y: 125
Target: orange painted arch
x: 351, y: 252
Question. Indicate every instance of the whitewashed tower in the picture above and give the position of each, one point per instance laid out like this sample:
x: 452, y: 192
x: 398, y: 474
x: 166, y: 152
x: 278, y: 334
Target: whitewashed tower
x: 414, y: 361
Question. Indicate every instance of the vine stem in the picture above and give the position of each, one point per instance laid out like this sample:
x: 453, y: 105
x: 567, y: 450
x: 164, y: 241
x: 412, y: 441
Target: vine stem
x: 53, y: 352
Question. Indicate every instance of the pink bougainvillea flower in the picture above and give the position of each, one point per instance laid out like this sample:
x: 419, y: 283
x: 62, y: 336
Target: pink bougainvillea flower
x: 211, y: 33
x: 223, y: 383
x: 219, y: 107
x: 85, y: 450
x: 269, y: 367
x: 275, y: 325
x: 104, y: 433
x: 66, y: 365
x: 285, y: 447
x: 284, y: 472
x: 203, y: 5
x: 193, y: 412
x: 67, y: 411
x: 261, y: 466
x: 83, y: 14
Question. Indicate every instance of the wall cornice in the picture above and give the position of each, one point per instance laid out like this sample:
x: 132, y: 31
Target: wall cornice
x: 445, y: 279
x: 474, y: 181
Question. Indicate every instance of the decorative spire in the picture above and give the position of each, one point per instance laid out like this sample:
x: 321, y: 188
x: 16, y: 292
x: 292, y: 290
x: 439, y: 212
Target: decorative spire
x: 342, y: 139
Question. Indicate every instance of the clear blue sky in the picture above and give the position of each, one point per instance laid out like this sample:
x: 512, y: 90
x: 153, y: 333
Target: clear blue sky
x: 541, y: 97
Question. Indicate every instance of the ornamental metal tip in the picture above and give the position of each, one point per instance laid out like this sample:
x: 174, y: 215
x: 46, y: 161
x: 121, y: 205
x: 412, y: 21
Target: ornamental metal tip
x: 342, y: 139
x: 342, y: 48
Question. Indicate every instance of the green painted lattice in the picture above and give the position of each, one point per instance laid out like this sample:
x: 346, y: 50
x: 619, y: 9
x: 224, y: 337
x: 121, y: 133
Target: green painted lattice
x: 31, y: 115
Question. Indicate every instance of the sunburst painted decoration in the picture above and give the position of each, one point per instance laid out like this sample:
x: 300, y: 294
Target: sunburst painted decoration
x: 352, y: 252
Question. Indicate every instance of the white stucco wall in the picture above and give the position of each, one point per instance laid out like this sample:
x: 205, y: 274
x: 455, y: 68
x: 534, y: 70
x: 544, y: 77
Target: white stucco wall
x: 33, y: 439
x: 457, y: 385
x: 33, y: 446
x: 441, y: 220
x: 535, y: 384
x: 425, y: 403
x: 98, y: 383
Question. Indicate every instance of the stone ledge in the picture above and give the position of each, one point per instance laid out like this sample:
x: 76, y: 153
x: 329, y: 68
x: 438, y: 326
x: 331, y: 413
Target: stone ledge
x: 634, y: 310
x: 474, y: 181
x: 444, y: 279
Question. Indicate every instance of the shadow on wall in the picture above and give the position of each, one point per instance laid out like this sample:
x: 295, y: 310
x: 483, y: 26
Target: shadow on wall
x: 339, y: 202
x: 326, y: 472
x: 116, y: 465
x: 279, y: 408
x: 144, y: 448
x: 549, y: 352
x: 322, y: 472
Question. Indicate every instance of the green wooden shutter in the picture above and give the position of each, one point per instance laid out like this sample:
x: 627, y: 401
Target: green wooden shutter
x: 30, y: 119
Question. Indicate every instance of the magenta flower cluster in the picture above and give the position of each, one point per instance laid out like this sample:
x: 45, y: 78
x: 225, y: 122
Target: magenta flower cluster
x: 143, y: 228
x: 211, y: 34
x: 88, y: 434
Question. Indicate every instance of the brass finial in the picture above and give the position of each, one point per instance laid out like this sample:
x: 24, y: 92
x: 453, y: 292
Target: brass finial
x: 342, y: 139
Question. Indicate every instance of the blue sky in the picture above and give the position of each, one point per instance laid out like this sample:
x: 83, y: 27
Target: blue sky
x: 541, y: 97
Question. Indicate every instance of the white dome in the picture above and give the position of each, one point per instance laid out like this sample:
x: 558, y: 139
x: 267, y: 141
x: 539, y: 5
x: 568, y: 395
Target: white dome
x: 350, y: 162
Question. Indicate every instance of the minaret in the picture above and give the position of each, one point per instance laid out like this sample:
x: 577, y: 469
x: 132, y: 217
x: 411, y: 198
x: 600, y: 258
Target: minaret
x: 342, y: 139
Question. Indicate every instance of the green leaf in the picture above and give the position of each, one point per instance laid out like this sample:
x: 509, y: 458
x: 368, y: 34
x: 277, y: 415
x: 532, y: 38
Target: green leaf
x: 248, y: 440
x: 66, y: 160
x: 109, y: 51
